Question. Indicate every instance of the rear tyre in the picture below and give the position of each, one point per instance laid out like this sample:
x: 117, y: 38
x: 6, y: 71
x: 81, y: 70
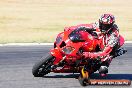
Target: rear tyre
x: 43, y: 66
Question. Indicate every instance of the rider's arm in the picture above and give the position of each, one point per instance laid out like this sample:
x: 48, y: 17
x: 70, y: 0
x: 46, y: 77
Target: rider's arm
x: 108, y: 48
x: 88, y: 29
x: 94, y: 55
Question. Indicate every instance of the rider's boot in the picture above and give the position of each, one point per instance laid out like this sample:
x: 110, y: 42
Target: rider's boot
x: 119, y: 52
x: 103, y: 70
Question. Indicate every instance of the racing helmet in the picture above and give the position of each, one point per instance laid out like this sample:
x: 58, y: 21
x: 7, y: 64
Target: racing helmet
x: 106, y: 21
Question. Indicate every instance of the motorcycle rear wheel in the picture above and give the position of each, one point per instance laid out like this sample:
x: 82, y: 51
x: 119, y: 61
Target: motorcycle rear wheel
x: 43, y: 66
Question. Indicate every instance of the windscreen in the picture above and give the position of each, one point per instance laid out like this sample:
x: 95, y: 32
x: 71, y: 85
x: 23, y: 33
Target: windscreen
x: 76, y: 36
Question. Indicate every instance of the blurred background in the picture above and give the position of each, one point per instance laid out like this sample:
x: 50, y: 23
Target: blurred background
x: 39, y: 21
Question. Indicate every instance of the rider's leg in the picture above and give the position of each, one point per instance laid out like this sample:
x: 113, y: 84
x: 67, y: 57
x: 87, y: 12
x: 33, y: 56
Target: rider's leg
x: 117, y: 51
x: 103, y: 70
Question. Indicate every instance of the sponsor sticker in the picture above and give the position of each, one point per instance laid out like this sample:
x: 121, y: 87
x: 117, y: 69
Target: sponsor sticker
x: 110, y: 82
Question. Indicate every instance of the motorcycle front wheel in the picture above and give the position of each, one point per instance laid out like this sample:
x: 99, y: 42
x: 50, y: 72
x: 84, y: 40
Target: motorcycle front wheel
x: 43, y: 66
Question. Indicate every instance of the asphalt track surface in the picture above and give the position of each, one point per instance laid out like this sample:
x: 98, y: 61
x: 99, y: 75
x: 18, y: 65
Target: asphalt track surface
x: 16, y: 64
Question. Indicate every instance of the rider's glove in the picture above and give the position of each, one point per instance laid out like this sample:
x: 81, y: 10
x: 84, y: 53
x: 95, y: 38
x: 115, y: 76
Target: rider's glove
x: 86, y: 29
x: 90, y: 29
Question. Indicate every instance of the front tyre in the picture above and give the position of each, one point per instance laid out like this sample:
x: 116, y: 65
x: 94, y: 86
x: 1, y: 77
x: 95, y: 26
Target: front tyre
x: 43, y: 67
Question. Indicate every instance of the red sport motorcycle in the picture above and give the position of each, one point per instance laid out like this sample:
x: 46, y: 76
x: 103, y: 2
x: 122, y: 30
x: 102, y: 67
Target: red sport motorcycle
x: 66, y: 56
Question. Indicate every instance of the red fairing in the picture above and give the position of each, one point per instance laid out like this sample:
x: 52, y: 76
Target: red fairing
x: 56, y: 53
x: 69, y: 46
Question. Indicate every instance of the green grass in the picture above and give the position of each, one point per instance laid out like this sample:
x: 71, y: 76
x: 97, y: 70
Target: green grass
x: 41, y: 20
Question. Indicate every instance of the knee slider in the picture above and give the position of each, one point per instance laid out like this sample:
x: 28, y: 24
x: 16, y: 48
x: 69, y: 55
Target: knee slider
x: 103, y: 69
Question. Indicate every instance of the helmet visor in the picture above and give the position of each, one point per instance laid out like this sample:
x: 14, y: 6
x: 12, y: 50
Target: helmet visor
x: 104, y: 27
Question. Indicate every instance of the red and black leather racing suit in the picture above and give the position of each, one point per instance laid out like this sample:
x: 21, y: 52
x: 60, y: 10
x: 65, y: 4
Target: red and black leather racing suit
x: 108, y: 44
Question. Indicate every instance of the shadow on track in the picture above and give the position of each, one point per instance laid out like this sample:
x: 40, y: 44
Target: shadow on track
x: 95, y: 76
x: 63, y: 76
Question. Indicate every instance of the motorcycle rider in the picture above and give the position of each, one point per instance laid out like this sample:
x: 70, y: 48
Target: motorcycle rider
x: 109, y: 41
